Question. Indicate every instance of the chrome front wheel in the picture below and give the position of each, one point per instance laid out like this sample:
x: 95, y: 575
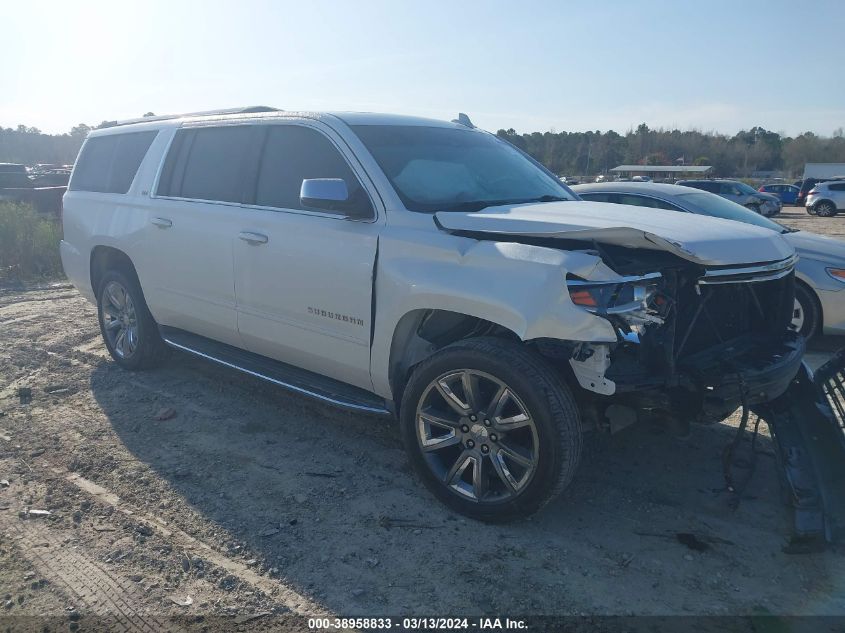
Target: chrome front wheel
x: 477, y: 435
x: 490, y: 427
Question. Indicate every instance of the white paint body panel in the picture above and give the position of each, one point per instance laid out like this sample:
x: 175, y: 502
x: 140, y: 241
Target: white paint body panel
x: 199, y: 276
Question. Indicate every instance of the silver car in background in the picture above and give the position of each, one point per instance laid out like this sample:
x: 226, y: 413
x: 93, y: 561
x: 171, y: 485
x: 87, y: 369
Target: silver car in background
x: 741, y: 193
x: 826, y: 199
x: 820, y: 274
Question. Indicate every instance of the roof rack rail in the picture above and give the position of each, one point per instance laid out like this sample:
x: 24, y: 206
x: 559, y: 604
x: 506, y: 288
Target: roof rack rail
x: 166, y: 117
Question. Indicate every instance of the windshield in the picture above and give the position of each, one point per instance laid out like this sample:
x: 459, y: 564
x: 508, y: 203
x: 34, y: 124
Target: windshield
x: 719, y: 207
x: 744, y: 188
x: 451, y: 169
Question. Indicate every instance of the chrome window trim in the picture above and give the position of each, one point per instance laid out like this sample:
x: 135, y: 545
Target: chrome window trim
x: 357, y: 169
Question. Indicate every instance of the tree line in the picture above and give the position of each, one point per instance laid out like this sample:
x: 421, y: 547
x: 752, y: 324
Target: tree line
x: 565, y: 153
x: 749, y: 151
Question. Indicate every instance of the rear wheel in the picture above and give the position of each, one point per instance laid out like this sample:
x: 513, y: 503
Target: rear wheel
x: 825, y: 209
x: 806, y: 316
x: 490, y: 429
x: 129, y: 330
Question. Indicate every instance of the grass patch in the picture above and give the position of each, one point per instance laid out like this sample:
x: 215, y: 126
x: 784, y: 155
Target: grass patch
x: 29, y: 244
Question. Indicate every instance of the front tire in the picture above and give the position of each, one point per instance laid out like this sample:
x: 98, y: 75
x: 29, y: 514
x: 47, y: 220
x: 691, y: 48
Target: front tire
x: 806, y: 316
x: 490, y: 429
x: 129, y: 330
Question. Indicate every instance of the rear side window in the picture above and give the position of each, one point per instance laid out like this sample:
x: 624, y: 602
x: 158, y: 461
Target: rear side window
x: 207, y: 164
x: 838, y: 186
x: 644, y: 201
x: 293, y: 153
x: 108, y: 164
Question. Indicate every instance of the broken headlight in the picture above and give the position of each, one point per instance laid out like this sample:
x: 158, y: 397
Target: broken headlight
x: 635, y: 301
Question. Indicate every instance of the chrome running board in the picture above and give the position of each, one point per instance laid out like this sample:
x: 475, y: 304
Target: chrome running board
x: 292, y: 378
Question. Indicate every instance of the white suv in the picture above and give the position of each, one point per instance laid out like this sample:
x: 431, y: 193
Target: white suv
x: 826, y: 199
x: 427, y: 270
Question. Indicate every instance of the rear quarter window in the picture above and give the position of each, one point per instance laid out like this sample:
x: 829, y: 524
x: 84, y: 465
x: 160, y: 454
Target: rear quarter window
x: 108, y: 164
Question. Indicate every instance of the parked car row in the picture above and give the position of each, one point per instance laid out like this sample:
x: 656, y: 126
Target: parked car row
x: 43, y: 191
x: 765, y: 204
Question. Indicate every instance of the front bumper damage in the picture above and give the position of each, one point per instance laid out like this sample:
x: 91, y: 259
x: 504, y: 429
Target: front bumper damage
x: 808, y: 426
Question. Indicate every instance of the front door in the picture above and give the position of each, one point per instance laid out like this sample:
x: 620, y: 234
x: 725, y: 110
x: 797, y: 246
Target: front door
x: 304, y: 279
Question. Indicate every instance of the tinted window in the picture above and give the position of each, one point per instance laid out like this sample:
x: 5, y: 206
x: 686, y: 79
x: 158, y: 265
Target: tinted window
x: 837, y: 186
x: 703, y: 185
x: 294, y: 153
x: 729, y: 189
x: 598, y: 197
x: 644, y: 201
x: 108, y: 164
x: 210, y: 163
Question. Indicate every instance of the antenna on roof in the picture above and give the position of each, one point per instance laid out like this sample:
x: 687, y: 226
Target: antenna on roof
x: 463, y: 119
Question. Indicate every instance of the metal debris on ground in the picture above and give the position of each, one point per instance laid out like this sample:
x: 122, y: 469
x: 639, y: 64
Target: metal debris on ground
x: 165, y: 414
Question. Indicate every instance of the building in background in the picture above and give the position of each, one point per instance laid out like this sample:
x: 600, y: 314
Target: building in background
x: 824, y: 170
x: 662, y: 172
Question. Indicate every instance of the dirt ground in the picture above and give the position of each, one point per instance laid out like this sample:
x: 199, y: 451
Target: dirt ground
x: 251, y: 502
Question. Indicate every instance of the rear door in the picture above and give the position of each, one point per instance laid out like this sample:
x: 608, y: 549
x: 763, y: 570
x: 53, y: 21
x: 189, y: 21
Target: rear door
x: 191, y: 227
x: 304, y: 278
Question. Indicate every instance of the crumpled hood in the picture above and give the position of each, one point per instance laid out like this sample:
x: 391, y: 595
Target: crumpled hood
x: 819, y: 247
x: 700, y: 239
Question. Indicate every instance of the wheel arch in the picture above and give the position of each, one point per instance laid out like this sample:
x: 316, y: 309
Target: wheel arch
x: 827, y: 200
x: 421, y: 333
x: 105, y: 258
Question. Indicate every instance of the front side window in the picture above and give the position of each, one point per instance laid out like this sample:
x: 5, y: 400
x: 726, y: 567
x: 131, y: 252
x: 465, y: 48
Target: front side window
x: 108, y: 164
x: 449, y: 169
x: 293, y: 153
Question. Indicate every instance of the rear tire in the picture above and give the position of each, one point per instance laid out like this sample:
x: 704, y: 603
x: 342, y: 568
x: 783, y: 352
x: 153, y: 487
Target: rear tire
x: 500, y: 448
x: 129, y: 330
x: 825, y: 209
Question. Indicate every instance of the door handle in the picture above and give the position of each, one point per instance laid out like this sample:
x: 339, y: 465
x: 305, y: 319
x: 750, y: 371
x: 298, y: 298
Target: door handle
x: 162, y: 223
x: 253, y: 238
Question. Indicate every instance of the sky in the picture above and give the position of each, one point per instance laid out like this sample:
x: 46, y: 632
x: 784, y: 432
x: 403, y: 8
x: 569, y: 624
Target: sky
x: 532, y: 66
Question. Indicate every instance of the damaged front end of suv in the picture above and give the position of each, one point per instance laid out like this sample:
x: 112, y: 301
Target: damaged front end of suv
x: 685, y: 334
x: 693, y: 341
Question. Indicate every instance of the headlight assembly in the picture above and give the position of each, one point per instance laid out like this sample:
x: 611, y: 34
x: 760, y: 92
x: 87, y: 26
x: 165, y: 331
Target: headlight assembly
x: 635, y: 301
